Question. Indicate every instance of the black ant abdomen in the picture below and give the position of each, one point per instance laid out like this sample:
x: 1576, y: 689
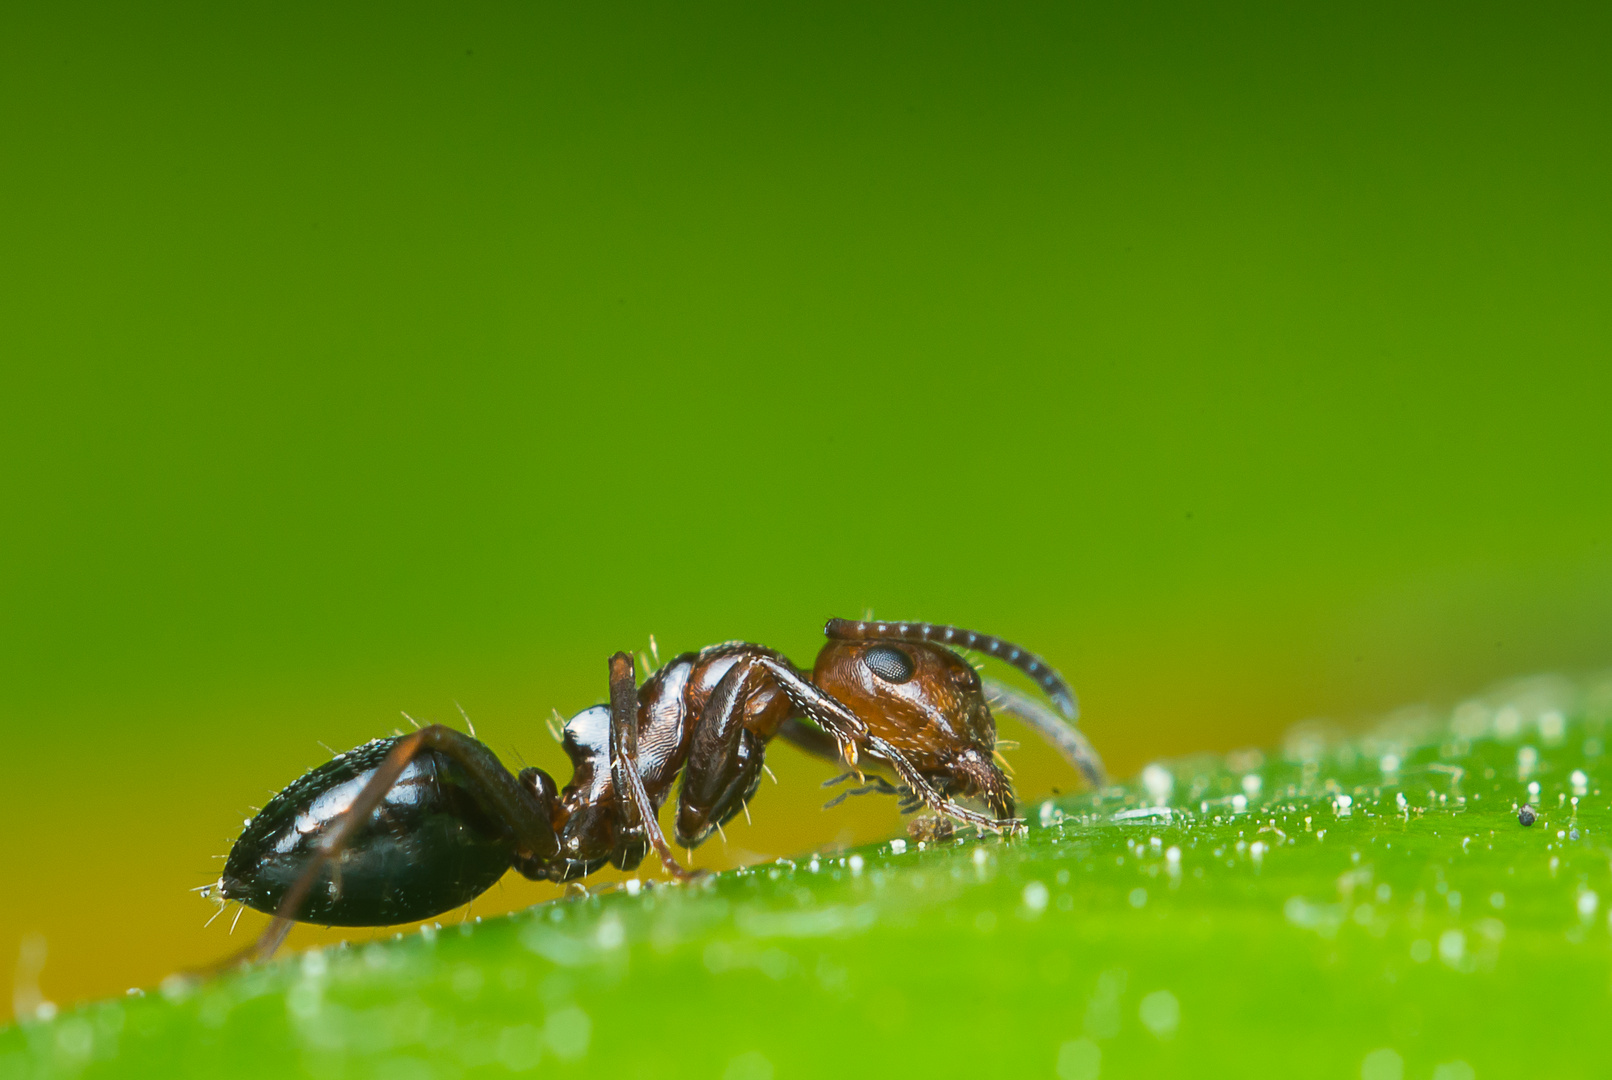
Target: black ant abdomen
x: 402, y: 829
x: 427, y: 848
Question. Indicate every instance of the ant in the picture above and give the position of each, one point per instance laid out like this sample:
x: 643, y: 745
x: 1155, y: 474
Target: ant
x: 405, y: 828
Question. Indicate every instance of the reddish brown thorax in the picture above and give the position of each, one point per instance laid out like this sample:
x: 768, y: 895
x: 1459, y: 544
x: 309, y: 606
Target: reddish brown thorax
x: 928, y: 703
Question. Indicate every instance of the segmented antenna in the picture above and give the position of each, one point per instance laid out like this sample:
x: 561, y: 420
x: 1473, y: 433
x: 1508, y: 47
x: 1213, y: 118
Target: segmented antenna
x: 1051, y: 683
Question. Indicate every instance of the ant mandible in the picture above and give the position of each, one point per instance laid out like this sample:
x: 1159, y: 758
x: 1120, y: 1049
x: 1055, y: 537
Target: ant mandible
x: 404, y: 828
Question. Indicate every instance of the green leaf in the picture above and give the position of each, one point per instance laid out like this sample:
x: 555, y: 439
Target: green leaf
x: 1364, y: 908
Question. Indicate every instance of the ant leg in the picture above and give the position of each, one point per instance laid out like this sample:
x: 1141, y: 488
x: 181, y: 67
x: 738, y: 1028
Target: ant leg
x: 847, y: 729
x: 828, y: 712
x: 1069, y: 740
x: 813, y: 740
x: 818, y: 743
x: 499, y: 793
x: 624, y: 760
x: 724, y: 759
x: 875, y: 785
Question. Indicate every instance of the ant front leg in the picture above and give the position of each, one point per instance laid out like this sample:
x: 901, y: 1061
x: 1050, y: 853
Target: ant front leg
x: 814, y: 740
x: 519, y: 816
x: 818, y: 743
x: 629, y: 784
x: 840, y: 723
x: 847, y: 729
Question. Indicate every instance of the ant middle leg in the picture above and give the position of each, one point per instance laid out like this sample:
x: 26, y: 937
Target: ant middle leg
x: 725, y: 756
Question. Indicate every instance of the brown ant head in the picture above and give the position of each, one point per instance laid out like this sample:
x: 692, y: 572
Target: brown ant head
x: 927, y: 702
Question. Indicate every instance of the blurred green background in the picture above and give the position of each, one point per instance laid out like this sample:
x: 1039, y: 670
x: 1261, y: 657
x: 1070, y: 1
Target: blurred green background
x: 1250, y: 363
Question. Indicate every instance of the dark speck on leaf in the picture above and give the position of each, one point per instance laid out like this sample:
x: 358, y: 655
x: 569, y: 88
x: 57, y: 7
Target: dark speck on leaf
x: 1526, y: 816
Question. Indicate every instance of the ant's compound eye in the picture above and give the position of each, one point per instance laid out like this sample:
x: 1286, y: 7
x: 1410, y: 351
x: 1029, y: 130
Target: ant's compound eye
x: 889, y: 663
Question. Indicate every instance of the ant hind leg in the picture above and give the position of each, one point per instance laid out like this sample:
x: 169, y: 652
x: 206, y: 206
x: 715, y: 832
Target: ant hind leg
x: 629, y: 783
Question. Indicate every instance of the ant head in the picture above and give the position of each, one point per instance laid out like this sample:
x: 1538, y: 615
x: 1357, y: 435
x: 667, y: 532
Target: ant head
x: 927, y: 702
